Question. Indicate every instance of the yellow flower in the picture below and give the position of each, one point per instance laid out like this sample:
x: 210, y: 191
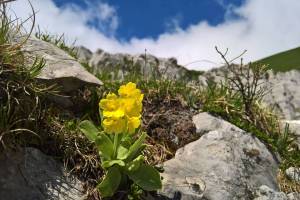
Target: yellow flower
x: 111, y: 106
x: 133, y: 123
x: 131, y: 99
x: 130, y: 91
x: 122, y: 113
x: 114, y: 125
x: 132, y: 107
x: 110, y: 103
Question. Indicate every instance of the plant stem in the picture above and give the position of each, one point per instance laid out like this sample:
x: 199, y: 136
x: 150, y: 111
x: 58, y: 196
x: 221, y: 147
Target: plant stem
x: 116, y: 141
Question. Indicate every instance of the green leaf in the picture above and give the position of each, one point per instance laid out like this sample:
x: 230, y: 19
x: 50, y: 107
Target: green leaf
x: 89, y: 130
x: 110, y: 183
x: 136, y: 146
x: 127, y: 141
x: 107, y: 164
x: 146, y: 177
x: 105, y: 146
x: 122, y: 153
x: 136, y: 163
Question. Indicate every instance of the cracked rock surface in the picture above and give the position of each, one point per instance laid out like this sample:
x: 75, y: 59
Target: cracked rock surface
x: 225, y: 163
x: 30, y: 175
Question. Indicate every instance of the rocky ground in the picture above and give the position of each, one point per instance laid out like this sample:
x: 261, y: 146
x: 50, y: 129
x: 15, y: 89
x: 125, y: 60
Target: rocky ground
x: 147, y: 65
x: 284, y: 95
x: 214, y: 159
x: 225, y: 163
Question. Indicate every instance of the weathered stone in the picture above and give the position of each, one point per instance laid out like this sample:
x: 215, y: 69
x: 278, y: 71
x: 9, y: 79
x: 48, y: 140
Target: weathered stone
x: 187, y: 188
x: 60, y: 68
x: 83, y: 54
x: 293, y: 173
x: 205, y: 123
x: 30, y: 175
x: 285, y: 93
x: 293, y: 196
x: 120, y: 65
x: 266, y: 193
x: 229, y: 162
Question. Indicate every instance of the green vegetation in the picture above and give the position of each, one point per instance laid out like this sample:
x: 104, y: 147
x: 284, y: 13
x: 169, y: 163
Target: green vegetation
x: 29, y: 119
x: 20, y: 93
x: 120, y: 151
x: 283, y: 61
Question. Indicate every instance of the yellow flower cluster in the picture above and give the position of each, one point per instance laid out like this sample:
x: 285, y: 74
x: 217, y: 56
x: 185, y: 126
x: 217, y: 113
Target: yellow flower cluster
x: 122, y: 112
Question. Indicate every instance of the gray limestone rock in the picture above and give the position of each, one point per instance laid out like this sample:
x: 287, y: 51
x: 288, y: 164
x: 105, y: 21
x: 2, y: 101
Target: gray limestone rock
x: 285, y: 93
x: 205, y: 123
x: 225, y: 163
x: 30, y: 175
x: 60, y: 68
x: 120, y: 65
x: 293, y: 196
x: 266, y: 193
x: 83, y: 54
x: 293, y: 173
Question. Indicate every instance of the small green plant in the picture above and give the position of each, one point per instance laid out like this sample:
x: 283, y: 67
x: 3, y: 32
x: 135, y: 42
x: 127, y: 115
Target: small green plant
x: 119, y: 149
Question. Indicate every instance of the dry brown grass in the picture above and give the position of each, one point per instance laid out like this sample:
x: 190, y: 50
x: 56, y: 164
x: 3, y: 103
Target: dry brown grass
x: 286, y: 185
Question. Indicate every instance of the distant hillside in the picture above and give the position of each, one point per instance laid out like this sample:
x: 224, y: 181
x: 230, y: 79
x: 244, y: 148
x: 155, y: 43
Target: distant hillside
x: 283, y: 61
x: 119, y: 65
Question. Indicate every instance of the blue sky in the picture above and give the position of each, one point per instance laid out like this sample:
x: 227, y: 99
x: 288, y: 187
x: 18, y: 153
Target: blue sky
x: 150, y: 18
x: 188, y: 30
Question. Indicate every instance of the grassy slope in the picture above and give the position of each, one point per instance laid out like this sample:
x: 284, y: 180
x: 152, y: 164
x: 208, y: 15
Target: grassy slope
x: 283, y: 61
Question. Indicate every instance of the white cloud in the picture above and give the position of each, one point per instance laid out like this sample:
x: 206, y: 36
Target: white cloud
x: 104, y: 15
x: 263, y: 28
